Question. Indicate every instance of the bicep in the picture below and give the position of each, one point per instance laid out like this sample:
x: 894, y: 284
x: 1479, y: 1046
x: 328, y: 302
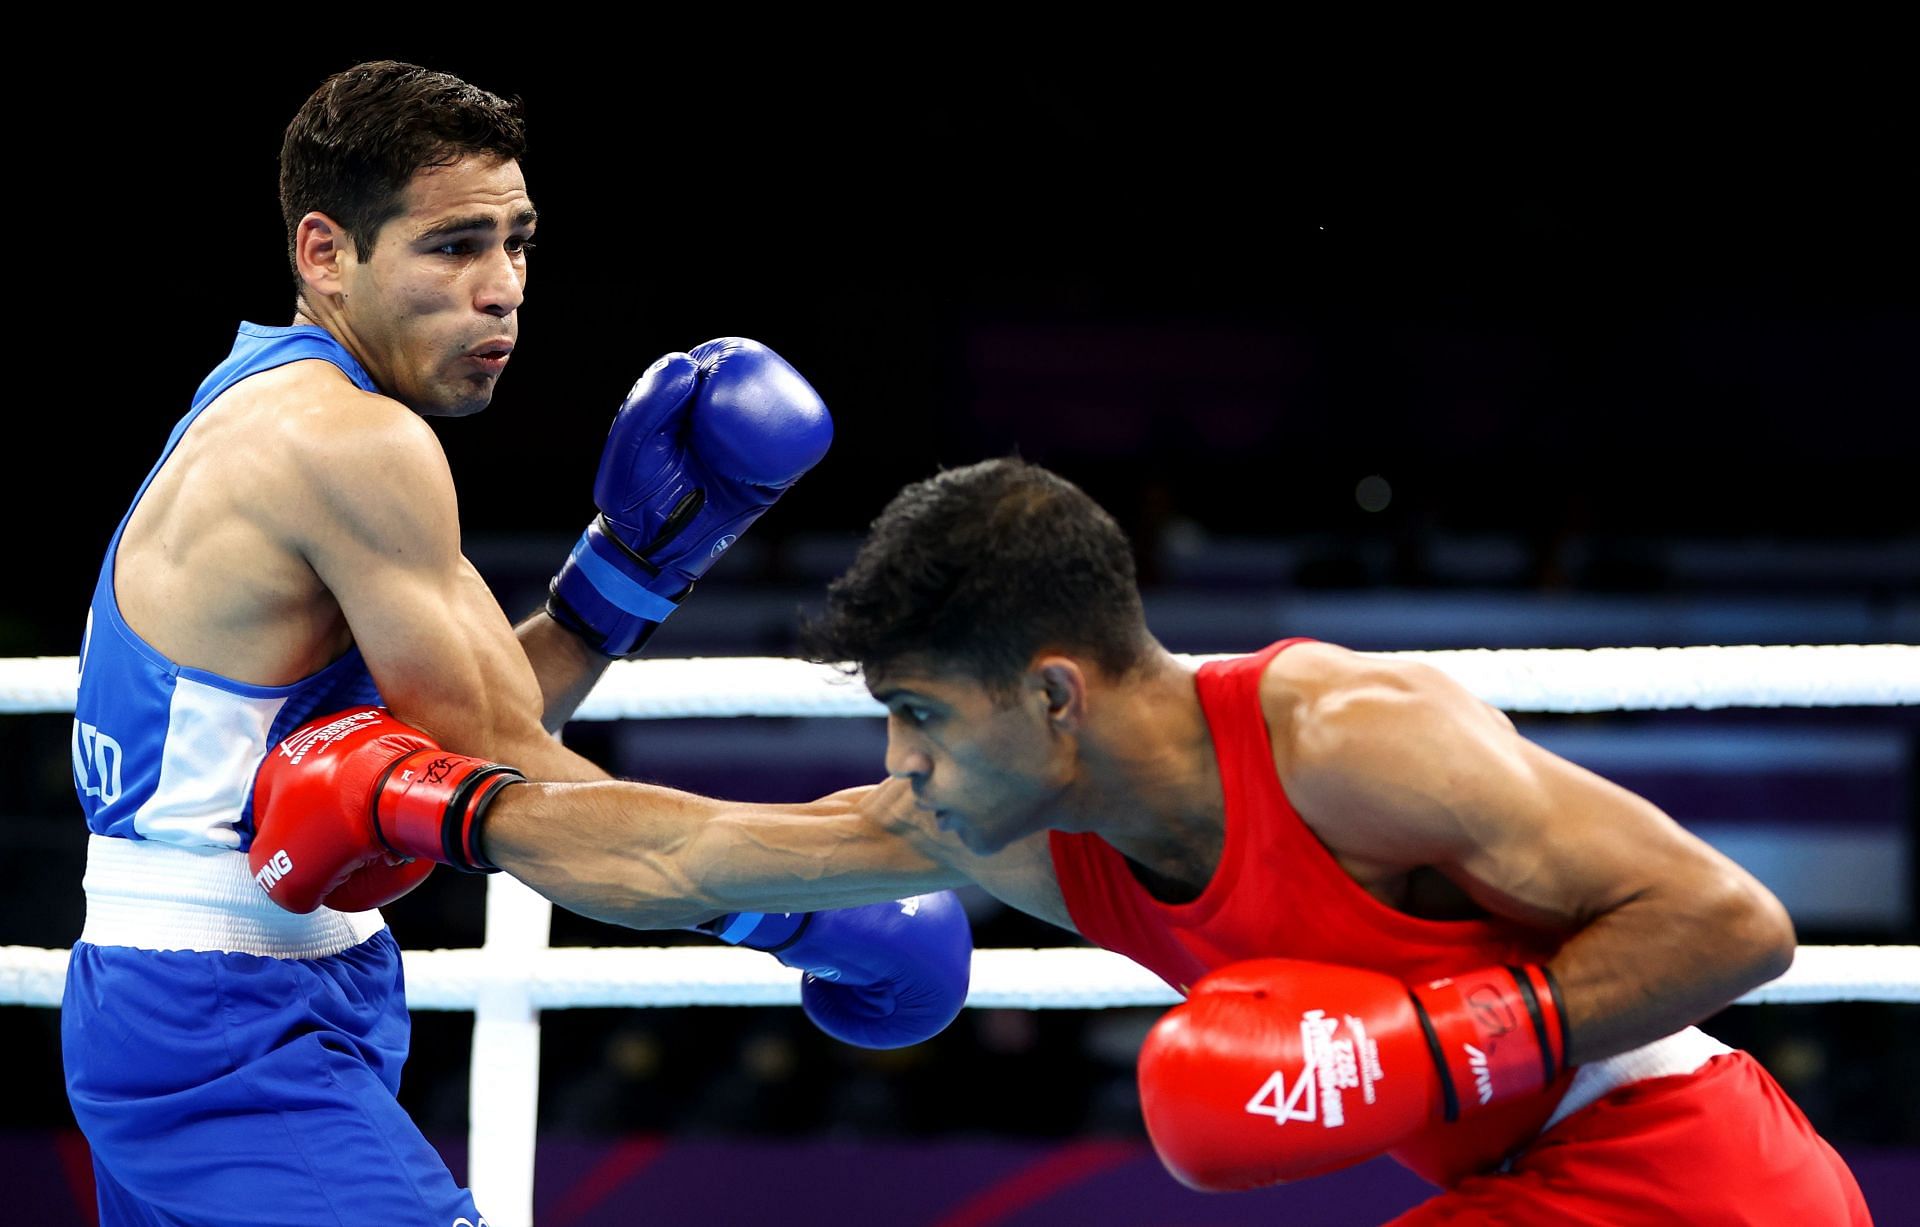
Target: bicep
x: 1546, y: 841
x: 1425, y: 774
x: 1660, y: 929
x: 436, y: 642
x: 438, y: 646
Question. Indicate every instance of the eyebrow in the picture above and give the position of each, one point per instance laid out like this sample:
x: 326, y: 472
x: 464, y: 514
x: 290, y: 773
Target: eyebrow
x: 886, y: 697
x: 479, y: 221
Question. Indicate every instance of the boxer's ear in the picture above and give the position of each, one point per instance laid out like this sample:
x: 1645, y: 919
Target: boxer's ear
x: 322, y: 251
x: 1063, y: 683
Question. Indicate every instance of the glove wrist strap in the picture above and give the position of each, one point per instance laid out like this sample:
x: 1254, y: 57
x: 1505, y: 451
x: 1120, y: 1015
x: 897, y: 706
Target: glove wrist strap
x: 433, y: 804
x: 611, y: 596
x: 631, y: 635
x: 772, y: 932
x: 630, y: 594
x: 1495, y: 1033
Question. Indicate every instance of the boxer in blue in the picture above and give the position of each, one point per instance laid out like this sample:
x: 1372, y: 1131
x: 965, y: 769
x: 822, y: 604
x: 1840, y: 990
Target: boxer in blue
x: 296, y: 550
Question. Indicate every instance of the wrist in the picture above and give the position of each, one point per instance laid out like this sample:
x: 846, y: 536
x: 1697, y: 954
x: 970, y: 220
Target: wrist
x: 615, y: 637
x: 610, y: 596
x: 1495, y: 1033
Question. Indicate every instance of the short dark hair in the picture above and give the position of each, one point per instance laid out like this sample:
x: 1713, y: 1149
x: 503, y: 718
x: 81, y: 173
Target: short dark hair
x: 976, y: 570
x: 356, y: 143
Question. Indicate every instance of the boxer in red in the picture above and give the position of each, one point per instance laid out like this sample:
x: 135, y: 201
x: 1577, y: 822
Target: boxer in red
x: 1401, y: 926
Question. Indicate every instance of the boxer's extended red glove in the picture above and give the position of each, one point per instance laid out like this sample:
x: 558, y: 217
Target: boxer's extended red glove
x: 353, y: 809
x: 1276, y: 1069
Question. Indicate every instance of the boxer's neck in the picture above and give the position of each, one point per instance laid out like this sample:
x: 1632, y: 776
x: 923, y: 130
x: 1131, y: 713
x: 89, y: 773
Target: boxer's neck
x: 1149, y: 784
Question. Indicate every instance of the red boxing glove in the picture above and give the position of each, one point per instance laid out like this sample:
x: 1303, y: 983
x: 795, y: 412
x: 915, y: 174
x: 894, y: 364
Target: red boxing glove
x: 1276, y: 1069
x: 1497, y: 1033
x: 343, y: 804
x: 376, y: 884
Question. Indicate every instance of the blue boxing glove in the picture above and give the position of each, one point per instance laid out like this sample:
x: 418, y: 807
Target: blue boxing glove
x: 881, y: 976
x: 704, y: 444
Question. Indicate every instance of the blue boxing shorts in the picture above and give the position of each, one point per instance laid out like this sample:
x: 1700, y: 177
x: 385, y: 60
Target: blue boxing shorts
x: 227, y: 1087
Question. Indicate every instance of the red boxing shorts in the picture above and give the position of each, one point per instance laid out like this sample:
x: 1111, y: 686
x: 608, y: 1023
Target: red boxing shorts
x: 1720, y: 1147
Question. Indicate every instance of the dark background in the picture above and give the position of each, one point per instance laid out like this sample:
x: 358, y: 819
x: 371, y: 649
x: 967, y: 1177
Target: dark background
x: 1614, y: 296
x: 1594, y: 303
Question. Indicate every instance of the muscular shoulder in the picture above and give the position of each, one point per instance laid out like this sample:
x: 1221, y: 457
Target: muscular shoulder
x: 1368, y: 740
x: 345, y: 440
x: 1319, y: 698
x: 356, y: 462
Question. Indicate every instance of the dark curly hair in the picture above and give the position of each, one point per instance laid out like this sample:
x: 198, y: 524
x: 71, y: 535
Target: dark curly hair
x: 978, y: 569
x: 356, y: 143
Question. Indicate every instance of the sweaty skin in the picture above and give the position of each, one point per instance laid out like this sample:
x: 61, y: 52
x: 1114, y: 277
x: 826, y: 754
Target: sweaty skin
x: 1428, y: 799
x: 301, y: 516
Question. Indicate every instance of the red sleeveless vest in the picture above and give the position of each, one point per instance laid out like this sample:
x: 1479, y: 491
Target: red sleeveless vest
x: 1279, y: 893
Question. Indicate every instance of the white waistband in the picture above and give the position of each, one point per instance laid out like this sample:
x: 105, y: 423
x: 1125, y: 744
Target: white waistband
x: 156, y: 896
x: 1679, y: 1053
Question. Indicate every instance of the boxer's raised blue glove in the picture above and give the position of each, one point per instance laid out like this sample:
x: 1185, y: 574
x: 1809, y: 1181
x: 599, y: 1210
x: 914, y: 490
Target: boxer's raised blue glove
x: 704, y: 444
x: 881, y: 976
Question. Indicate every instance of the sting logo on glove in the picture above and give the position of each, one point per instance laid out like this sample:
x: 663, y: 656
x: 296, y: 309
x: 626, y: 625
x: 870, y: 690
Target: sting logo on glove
x: 277, y: 866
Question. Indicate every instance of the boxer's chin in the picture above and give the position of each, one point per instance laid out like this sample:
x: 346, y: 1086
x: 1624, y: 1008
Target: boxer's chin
x: 461, y: 395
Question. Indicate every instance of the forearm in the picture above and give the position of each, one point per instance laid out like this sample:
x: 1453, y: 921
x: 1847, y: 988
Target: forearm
x: 1663, y: 961
x: 566, y: 667
x: 539, y: 755
x: 652, y: 858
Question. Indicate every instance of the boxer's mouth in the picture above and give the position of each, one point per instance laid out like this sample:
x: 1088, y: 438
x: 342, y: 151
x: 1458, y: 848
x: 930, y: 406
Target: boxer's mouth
x: 492, y: 356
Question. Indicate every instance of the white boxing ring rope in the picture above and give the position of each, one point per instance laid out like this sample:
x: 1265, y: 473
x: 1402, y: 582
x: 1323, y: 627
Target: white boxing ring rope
x: 1522, y: 679
x: 1057, y: 978
x: 515, y: 974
